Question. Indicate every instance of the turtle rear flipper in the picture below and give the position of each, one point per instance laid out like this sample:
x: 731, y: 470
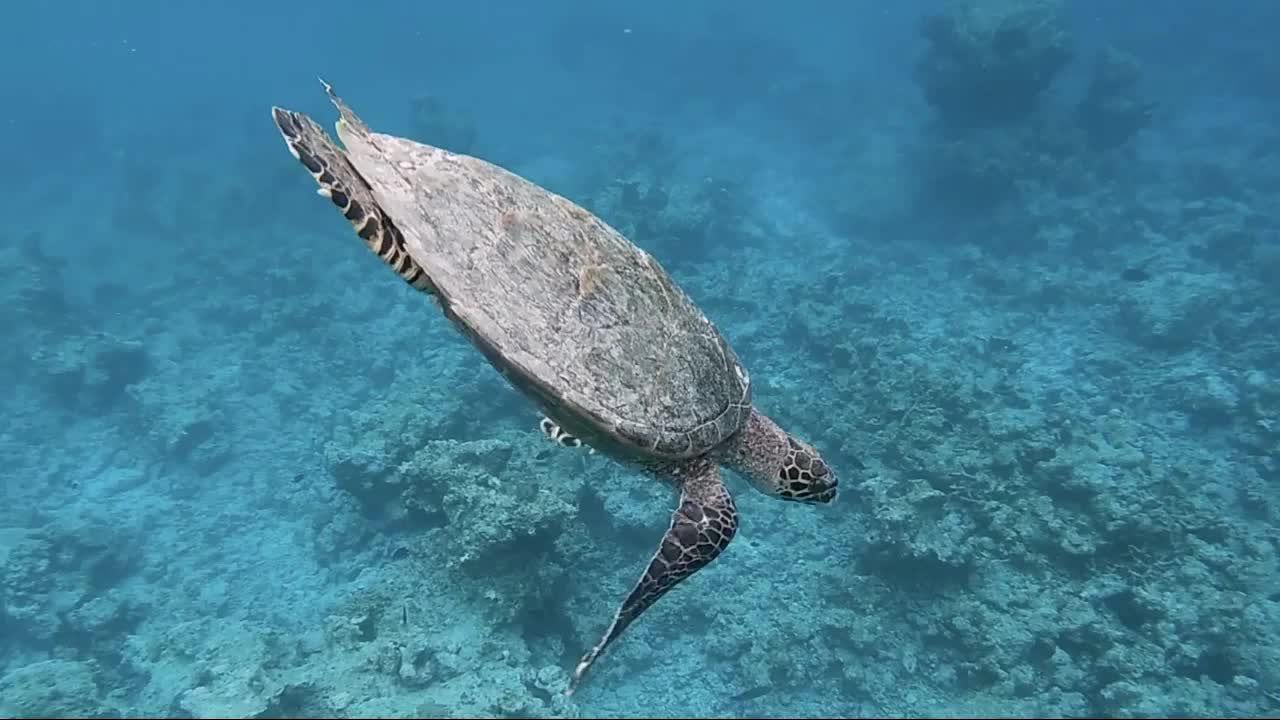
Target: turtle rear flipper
x: 339, y: 181
x: 701, y: 528
x: 556, y: 434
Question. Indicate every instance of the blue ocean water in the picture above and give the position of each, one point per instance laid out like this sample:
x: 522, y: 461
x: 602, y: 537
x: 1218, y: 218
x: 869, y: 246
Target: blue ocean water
x: 1009, y: 265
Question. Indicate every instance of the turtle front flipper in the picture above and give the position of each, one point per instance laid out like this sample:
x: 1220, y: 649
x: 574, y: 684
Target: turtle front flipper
x: 342, y: 184
x: 701, y: 528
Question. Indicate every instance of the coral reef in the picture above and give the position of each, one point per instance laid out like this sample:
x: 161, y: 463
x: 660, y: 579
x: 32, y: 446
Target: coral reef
x: 91, y: 372
x: 57, y: 584
x: 991, y: 63
x: 403, y: 648
x: 1113, y: 110
x: 999, y: 135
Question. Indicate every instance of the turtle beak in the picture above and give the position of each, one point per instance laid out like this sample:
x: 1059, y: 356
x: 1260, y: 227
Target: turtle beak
x: 826, y: 497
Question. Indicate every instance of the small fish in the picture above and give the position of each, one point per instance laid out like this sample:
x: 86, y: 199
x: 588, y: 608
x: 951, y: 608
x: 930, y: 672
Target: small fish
x: 1135, y: 275
x: 404, y: 615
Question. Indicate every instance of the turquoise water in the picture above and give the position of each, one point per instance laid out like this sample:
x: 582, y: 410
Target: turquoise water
x: 1010, y: 267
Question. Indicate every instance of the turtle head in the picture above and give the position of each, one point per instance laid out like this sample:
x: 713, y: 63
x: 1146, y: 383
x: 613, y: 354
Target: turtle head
x: 780, y: 464
x: 804, y: 476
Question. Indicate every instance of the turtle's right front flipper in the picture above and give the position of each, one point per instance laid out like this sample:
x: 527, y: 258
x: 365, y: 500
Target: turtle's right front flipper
x: 701, y: 528
x: 340, y: 182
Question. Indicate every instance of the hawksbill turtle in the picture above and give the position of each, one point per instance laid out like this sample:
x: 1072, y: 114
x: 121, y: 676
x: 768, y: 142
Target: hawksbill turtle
x: 583, y: 322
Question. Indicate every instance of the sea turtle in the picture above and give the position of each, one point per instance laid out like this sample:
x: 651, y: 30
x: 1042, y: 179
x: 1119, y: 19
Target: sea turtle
x: 586, y: 324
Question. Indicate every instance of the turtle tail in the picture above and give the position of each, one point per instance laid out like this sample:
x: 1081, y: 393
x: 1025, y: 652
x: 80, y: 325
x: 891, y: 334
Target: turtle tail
x: 342, y: 184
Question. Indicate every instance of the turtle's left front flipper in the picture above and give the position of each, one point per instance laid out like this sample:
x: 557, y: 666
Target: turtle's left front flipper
x: 701, y: 528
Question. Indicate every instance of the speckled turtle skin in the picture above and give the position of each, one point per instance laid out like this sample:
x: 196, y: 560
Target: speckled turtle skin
x: 578, y: 318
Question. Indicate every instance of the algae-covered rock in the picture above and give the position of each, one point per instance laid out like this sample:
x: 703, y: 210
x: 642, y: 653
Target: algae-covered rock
x: 500, y: 504
x: 499, y: 498
x: 215, y: 668
x: 52, y: 689
x: 53, y: 573
x: 1175, y: 310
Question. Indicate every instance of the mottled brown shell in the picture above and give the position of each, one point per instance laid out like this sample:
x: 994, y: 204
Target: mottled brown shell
x: 566, y: 307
